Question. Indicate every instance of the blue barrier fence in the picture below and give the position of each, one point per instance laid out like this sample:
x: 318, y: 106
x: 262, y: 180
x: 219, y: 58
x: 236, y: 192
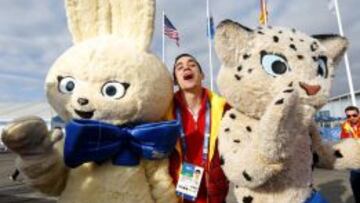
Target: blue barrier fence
x: 330, y: 134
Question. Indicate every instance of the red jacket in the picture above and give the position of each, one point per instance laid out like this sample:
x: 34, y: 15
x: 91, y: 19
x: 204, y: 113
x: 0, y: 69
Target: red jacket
x: 350, y: 131
x: 214, y: 186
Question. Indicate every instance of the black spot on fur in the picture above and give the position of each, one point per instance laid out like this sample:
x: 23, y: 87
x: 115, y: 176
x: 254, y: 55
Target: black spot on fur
x: 222, y: 161
x: 280, y: 101
x: 250, y: 70
x: 292, y: 46
x: 232, y: 116
x: 280, y: 32
x: 301, y: 40
x: 325, y: 36
x: 338, y: 154
x: 248, y: 199
x: 290, y: 84
x: 261, y: 33
x: 239, y: 68
x: 315, y: 160
x: 236, y: 141
x: 314, y: 46
x: 291, y: 39
x: 293, y: 30
x: 314, y: 58
x: 236, y: 186
x: 263, y: 52
x: 237, y: 77
x: 248, y: 128
x: 276, y: 39
x: 246, y: 56
x: 246, y: 176
x: 288, y: 90
x: 227, y: 129
x: 301, y: 57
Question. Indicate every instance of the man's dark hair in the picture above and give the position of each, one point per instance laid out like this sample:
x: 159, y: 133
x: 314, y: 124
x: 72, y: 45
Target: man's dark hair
x: 185, y: 55
x: 352, y: 108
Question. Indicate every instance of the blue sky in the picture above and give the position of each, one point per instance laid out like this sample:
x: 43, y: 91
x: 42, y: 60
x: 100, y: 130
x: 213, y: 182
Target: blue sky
x: 33, y: 33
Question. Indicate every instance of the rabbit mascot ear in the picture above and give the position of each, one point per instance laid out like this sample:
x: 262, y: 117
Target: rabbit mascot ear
x: 130, y: 19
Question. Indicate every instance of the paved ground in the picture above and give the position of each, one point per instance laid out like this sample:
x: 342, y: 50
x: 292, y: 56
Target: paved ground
x: 333, y: 184
x: 16, y: 192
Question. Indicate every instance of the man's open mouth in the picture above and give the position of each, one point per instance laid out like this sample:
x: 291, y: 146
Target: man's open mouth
x: 84, y: 114
x: 188, y: 76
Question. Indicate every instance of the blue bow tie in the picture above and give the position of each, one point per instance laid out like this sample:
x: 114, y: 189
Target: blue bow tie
x: 94, y: 141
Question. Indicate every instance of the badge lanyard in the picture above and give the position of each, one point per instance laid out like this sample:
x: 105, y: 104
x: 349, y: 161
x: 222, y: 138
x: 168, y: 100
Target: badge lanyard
x: 206, y: 136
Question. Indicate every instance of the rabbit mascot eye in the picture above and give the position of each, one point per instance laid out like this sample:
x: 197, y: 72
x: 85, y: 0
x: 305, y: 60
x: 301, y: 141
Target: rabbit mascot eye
x: 275, y: 79
x: 113, y: 93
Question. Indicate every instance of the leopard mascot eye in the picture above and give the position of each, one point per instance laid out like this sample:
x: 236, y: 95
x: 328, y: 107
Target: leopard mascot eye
x: 322, y: 70
x: 274, y: 64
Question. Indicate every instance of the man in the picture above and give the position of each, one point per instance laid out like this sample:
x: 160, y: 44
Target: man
x: 200, y: 112
x: 351, y: 129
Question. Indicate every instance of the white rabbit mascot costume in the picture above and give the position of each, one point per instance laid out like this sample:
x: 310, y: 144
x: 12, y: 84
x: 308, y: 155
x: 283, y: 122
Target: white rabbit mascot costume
x: 275, y: 79
x: 113, y: 94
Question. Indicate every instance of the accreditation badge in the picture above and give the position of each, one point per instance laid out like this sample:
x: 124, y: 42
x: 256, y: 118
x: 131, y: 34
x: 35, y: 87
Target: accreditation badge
x: 189, y: 181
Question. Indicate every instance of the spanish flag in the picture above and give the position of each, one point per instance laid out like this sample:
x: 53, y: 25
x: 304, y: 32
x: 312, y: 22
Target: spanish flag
x: 263, y: 18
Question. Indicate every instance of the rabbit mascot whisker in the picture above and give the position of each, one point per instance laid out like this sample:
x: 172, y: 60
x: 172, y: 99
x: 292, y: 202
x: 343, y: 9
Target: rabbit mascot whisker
x: 113, y: 94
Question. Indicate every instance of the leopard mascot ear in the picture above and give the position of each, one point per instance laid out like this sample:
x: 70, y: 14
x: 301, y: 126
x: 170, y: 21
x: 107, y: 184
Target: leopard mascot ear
x: 228, y: 37
x: 335, y: 45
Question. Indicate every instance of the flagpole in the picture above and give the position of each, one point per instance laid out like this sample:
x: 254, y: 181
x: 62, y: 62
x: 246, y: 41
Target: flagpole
x: 347, y: 64
x: 265, y: 13
x: 210, y: 45
x: 263, y: 19
x: 163, y: 36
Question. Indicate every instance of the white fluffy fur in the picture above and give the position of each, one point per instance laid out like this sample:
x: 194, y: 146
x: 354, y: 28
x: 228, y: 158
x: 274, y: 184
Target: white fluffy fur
x: 111, y: 38
x: 130, y: 20
x: 265, y: 140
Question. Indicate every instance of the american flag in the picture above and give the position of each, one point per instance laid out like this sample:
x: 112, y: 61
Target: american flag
x: 170, y: 30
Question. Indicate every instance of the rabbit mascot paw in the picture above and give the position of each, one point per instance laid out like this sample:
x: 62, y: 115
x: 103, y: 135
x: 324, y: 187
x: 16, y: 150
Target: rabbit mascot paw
x: 113, y: 94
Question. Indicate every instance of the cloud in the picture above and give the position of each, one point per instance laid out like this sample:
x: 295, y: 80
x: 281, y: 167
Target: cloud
x: 30, y: 87
x: 34, y: 33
